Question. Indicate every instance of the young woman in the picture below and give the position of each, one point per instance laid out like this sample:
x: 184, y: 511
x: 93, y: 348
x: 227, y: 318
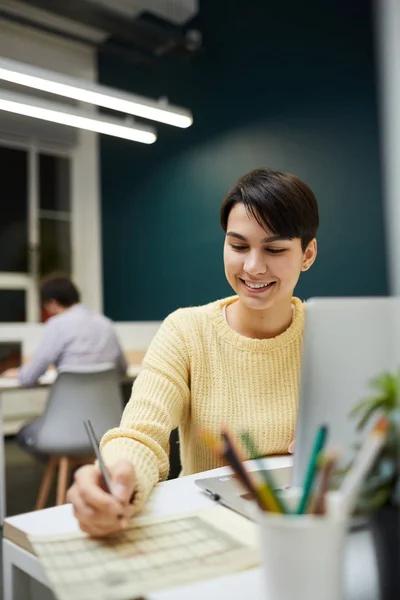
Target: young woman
x: 234, y: 361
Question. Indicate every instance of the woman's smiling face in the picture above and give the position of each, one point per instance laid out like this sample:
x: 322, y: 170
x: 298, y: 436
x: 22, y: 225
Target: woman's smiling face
x: 261, y: 267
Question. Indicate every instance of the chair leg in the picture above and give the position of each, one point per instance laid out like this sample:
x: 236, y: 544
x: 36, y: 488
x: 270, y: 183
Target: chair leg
x: 46, y: 482
x: 75, y: 462
x: 80, y: 461
x: 62, y: 482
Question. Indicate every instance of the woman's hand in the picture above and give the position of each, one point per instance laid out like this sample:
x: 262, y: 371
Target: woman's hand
x: 291, y: 446
x: 98, y: 512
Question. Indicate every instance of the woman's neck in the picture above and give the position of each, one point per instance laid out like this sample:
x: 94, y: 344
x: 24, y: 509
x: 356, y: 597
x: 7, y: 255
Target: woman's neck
x: 259, y: 324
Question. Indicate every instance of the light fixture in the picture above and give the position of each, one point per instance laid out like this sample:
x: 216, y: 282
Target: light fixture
x: 73, y: 117
x: 92, y: 93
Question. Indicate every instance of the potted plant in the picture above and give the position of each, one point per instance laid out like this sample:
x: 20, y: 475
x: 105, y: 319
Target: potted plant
x: 380, y: 497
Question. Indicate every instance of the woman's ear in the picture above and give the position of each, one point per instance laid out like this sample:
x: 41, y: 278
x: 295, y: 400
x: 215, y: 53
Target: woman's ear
x: 309, y: 255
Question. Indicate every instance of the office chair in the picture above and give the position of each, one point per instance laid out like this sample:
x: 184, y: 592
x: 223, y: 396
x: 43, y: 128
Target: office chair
x: 90, y: 392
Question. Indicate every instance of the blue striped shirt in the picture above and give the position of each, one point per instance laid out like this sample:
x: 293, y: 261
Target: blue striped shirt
x: 75, y: 337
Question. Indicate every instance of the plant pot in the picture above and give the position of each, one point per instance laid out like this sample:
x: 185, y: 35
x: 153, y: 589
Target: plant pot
x: 385, y: 529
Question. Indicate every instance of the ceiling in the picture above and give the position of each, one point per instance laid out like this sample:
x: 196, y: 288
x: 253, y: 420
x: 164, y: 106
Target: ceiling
x: 140, y: 31
x: 176, y: 11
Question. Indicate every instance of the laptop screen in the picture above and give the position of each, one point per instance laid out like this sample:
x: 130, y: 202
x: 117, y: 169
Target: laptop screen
x: 10, y: 355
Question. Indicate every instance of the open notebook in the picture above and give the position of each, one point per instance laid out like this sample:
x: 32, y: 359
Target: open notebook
x: 155, y: 553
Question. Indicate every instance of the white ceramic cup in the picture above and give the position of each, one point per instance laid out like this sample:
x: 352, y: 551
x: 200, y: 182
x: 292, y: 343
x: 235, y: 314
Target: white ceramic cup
x: 302, y: 555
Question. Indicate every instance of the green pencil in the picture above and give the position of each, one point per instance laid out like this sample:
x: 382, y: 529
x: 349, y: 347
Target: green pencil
x: 320, y: 441
x: 267, y: 477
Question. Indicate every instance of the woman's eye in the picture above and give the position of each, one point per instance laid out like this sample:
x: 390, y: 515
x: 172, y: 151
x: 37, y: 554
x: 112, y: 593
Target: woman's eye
x: 276, y: 250
x: 237, y: 247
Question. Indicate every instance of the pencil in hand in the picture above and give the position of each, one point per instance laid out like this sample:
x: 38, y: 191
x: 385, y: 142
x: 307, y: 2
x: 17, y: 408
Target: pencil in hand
x: 95, y: 446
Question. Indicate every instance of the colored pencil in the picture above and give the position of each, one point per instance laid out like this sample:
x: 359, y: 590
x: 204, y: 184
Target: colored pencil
x: 95, y: 446
x: 265, y: 499
x: 319, y: 443
x: 232, y: 457
x: 317, y: 504
x: 268, y: 480
x: 362, y: 464
x: 211, y: 441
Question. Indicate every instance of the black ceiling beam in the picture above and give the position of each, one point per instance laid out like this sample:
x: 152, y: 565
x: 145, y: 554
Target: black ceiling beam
x: 148, y: 35
x: 127, y: 54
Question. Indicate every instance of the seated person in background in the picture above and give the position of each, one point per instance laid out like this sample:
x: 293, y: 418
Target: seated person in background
x: 73, y: 336
x: 234, y: 361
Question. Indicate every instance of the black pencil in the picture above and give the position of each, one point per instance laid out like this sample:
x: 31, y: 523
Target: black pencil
x: 95, y: 446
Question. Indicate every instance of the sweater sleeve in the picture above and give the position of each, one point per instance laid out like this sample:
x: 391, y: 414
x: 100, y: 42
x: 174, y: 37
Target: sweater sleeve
x: 159, y: 402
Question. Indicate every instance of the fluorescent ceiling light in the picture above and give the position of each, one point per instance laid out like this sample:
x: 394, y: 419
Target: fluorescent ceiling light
x: 73, y: 117
x: 92, y: 93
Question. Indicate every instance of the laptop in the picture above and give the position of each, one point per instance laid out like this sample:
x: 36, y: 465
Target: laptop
x: 347, y: 341
x: 10, y: 355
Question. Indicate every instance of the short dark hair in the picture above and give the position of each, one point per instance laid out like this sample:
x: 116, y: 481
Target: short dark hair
x: 280, y: 202
x: 59, y: 288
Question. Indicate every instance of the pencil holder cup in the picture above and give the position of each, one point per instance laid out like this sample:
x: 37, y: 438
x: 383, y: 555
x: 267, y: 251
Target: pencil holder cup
x: 302, y: 555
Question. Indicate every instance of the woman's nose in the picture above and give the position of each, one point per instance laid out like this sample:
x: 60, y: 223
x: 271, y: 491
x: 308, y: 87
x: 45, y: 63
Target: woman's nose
x: 255, y: 264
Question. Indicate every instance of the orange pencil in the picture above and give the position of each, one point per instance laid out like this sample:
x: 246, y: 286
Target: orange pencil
x: 211, y: 441
x: 318, y: 503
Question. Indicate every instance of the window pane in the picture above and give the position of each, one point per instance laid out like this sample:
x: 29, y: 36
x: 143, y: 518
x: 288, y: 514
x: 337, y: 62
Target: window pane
x: 55, y: 246
x: 12, y: 306
x: 54, y: 183
x: 14, y: 213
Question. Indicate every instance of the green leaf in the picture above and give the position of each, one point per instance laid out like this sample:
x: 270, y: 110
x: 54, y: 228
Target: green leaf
x: 387, y: 384
x: 374, y: 502
x: 382, y: 483
x: 367, y: 404
x: 372, y: 407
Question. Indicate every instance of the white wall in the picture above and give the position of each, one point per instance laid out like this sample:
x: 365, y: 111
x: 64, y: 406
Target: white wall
x: 51, y: 52
x: 387, y: 21
x: 136, y: 336
x: 132, y: 336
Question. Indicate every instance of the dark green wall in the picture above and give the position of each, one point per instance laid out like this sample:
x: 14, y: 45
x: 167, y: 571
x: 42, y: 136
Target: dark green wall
x: 290, y: 87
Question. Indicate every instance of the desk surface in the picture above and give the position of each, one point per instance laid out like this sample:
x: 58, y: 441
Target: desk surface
x: 169, y: 497
x: 182, y: 495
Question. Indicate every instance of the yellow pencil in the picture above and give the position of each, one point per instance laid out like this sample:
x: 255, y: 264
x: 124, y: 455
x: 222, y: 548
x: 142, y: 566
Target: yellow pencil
x: 211, y: 441
x: 275, y: 504
x: 264, y: 496
x: 267, y: 498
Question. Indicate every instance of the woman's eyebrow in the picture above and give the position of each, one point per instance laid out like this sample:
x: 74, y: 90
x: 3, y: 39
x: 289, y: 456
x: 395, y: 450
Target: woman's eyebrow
x: 236, y: 235
x: 277, y: 238
x: 270, y: 238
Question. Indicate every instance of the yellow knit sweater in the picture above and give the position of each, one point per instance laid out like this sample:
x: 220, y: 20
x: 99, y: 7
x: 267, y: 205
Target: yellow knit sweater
x: 200, y: 373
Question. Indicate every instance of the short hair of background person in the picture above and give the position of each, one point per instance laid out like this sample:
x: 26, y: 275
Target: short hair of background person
x: 60, y: 288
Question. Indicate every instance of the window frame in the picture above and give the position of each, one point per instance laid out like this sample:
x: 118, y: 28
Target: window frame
x: 29, y: 282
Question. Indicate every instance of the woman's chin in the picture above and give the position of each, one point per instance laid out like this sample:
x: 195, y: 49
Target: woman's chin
x: 256, y: 302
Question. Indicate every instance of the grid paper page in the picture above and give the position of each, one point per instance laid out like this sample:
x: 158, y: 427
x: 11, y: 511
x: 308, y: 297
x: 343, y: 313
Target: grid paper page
x: 151, y: 556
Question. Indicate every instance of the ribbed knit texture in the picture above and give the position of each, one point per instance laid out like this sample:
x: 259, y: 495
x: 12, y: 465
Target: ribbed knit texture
x: 200, y: 373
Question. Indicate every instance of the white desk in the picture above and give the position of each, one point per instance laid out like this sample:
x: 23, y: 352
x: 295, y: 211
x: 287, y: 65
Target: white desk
x: 6, y: 385
x: 178, y: 495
